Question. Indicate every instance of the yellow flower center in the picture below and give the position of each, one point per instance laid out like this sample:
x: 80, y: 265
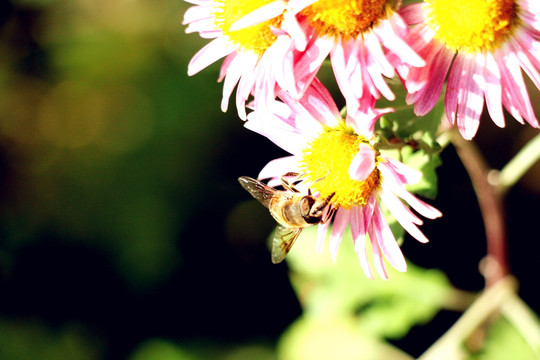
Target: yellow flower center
x: 255, y: 38
x: 471, y: 25
x: 326, y: 161
x: 344, y: 18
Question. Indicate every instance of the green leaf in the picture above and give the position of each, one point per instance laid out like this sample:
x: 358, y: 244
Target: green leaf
x: 379, y: 308
x: 403, y: 125
x: 427, y: 163
x: 504, y: 342
x: 156, y: 349
x: 28, y: 340
x: 312, y: 338
x: 412, y: 140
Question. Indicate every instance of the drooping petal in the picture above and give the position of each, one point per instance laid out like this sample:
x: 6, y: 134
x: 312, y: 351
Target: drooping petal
x: 284, y: 74
x: 377, y: 55
x: 528, y: 63
x: 531, y: 45
x: 529, y: 13
x: 363, y: 163
x: 252, y: 71
x: 358, y: 231
x: 196, y: 13
x: 387, y: 241
x: 322, y: 231
x: 209, y: 54
x: 507, y: 94
x: 303, y: 121
x: 377, y: 66
x: 320, y: 104
x: 226, y: 64
x: 431, y: 92
x: 341, y: 220
x: 235, y: 70
x: 362, y: 75
x: 377, y: 256
x: 276, y: 130
x: 397, y: 45
x: 470, y: 99
x: 363, y: 122
x: 403, y: 215
x: 204, y: 26
x: 397, y: 208
x: 293, y: 28
x: 452, y: 87
x: 399, y: 171
x: 339, y: 66
x: 278, y: 167
x: 413, y: 14
x: 518, y: 97
x: 422, y: 42
x: 493, y: 91
x: 369, y: 209
x: 310, y: 61
x: 418, y: 205
x: 353, y: 69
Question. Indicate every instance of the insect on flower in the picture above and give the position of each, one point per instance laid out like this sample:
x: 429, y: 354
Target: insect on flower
x: 292, y: 209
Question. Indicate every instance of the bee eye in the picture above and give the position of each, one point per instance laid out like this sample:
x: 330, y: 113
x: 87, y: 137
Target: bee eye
x: 306, y: 204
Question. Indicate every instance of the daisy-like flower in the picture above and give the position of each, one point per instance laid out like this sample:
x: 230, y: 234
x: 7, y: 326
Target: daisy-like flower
x: 335, y: 155
x: 357, y: 35
x: 484, y: 45
x: 254, y: 56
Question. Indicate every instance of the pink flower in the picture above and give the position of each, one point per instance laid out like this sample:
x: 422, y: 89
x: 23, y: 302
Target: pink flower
x: 355, y: 34
x: 255, y: 57
x: 483, y: 45
x: 337, y: 156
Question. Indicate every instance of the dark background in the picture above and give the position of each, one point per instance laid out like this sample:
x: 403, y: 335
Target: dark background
x: 121, y: 219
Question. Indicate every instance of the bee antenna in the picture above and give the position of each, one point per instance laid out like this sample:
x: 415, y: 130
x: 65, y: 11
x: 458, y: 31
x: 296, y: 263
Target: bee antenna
x: 322, y: 178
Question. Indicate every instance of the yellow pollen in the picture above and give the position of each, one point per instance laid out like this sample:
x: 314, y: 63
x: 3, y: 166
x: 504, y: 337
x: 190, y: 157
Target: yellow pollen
x: 255, y: 38
x: 344, y: 18
x: 326, y: 161
x: 472, y: 26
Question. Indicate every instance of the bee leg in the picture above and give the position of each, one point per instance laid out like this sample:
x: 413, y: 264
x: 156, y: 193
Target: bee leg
x: 331, y: 210
x: 322, y: 177
x: 327, y: 199
x: 291, y: 173
x: 318, y: 208
x: 286, y: 184
x: 329, y: 214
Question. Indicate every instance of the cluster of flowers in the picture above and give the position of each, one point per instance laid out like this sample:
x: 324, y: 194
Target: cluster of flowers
x: 273, y: 51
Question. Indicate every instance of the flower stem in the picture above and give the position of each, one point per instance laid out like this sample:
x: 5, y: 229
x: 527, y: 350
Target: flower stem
x: 520, y: 163
x: 488, y: 304
x: 524, y: 321
x: 490, y: 202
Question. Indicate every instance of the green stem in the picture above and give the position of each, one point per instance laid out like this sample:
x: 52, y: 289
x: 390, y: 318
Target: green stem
x: 490, y: 202
x: 448, y: 347
x: 444, y: 139
x: 518, y: 166
x: 524, y: 321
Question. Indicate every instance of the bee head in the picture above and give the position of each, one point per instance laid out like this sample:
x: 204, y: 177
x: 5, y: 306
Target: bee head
x: 306, y: 206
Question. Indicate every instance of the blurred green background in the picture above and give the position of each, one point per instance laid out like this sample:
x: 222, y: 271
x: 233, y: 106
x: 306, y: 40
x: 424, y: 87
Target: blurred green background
x: 123, y: 231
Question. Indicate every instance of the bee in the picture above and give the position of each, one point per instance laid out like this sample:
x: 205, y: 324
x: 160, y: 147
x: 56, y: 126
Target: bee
x: 292, y: 210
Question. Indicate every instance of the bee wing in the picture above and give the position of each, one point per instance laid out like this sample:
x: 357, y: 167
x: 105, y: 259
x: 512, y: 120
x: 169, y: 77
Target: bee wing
x: 284, y: 239
x: 257, y: 189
